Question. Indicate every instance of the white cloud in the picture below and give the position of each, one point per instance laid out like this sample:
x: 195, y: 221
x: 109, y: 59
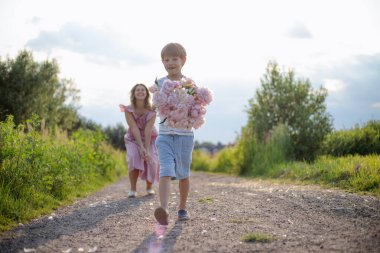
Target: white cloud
x: 300, y: 31
x: 106, y: 47
x: 334, y: 85
x: 98, y: 45
x: 376, y: 105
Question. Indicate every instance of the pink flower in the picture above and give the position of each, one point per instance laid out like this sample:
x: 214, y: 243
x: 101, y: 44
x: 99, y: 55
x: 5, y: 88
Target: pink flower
x: 204, y: 96
x: 201, y: 110
x: 173, y: 99
x: 164, y: 111
x: 178, y: 114
x: 168, y: 86
x: 194, y: 113
x: 182, y: 103
x: 159, y: 98
x: 199, y: 122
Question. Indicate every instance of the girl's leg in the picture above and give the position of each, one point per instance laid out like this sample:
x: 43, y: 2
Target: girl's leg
x: 164, y: 191
x: 133, y: 175
x: 184, y: 186
x: 148, y: 185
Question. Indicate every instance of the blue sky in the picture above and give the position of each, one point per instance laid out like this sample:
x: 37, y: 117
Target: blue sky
x: 108, y: 46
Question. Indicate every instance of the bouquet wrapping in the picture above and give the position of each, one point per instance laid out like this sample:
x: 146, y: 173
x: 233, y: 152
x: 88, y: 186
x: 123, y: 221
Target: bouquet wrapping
x: 181, y: 104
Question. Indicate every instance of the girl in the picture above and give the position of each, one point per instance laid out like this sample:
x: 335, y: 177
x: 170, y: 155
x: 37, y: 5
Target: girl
x: 140, y: 140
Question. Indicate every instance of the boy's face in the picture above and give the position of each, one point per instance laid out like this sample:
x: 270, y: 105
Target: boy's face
x: 173, y: 64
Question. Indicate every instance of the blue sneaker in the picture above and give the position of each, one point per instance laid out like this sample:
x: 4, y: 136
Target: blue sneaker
x: 183, y: 215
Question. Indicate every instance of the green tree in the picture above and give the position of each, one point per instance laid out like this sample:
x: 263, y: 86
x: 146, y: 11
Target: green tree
x: 28, y: 87
x: 115, y: 135
x: 284, y: 100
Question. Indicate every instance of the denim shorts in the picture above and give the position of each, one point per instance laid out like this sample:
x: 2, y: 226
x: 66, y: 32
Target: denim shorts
x: 174, y: 155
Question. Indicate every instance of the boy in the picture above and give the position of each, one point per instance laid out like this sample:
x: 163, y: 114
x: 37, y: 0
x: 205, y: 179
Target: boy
x: 174, y: 145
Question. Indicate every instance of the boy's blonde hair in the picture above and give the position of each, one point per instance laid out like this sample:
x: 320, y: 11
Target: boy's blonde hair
x: 173, y: 50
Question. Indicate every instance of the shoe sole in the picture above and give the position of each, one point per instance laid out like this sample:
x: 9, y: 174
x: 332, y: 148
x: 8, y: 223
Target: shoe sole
x: 161, y: 216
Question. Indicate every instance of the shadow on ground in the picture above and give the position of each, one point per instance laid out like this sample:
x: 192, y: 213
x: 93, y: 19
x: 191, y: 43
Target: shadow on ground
x: 43, y: 230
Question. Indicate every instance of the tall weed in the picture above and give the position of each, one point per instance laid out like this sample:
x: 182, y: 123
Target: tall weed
x: 352, y: 172
x: 260, y: 159
x: 39, y: 170
x: 201, y: 161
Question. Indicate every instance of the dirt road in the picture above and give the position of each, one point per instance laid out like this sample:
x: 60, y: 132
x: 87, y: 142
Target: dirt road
x: 223, y: 209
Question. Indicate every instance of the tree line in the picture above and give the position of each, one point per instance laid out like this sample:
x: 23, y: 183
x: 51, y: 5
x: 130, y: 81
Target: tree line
x: 30, y: 87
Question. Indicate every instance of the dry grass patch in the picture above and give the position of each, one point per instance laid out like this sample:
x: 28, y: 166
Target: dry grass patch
x: 258, y: 237
x: 207, y: 200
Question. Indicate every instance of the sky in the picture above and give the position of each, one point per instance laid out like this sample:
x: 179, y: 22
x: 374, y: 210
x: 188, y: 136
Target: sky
x: 106, y: 47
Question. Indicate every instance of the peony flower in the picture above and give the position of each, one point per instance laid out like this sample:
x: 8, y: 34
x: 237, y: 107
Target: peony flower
x: 181, y: 103
x: 194, y: 113
x: 204, y: 96
x: 168, y: 86
x: 199, y: 122
x: 173, y: 99
x: 178, y: 114
x: 164, y: 111
x: 159, y: 98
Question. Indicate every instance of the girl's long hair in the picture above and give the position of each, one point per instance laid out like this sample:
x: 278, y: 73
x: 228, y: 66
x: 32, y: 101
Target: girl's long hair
x: 147, y: 103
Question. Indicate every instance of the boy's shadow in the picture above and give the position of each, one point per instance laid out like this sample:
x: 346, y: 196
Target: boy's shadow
x: 159, y: 241
x: 38, y: 233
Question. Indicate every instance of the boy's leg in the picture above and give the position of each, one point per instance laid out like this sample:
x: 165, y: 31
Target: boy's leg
x: 184, y: 186
x: 164, y: 191
x: 161, y: 213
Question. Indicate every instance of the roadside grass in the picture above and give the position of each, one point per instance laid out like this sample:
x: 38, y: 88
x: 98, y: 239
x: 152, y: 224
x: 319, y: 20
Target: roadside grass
x: 40, y: 171
x: 354, y: 173
x: 258, y: 237
x: 207, y: 200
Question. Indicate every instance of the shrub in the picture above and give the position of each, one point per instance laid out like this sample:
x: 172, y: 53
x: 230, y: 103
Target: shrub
x: 39, y: 169
x: 259, y: 159
x: 358, y: 140
x: 201, y: 161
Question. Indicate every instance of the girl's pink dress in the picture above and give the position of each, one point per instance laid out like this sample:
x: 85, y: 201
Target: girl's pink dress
x: 147, y: 170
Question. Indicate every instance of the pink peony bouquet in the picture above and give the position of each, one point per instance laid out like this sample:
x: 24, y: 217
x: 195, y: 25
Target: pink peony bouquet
x: 181, y: 104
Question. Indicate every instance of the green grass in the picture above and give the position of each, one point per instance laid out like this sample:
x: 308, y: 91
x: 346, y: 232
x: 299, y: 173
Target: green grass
x: 353, y: 173
x: 258, y: 237
x: 40, y: 171
x: 207, y: 200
